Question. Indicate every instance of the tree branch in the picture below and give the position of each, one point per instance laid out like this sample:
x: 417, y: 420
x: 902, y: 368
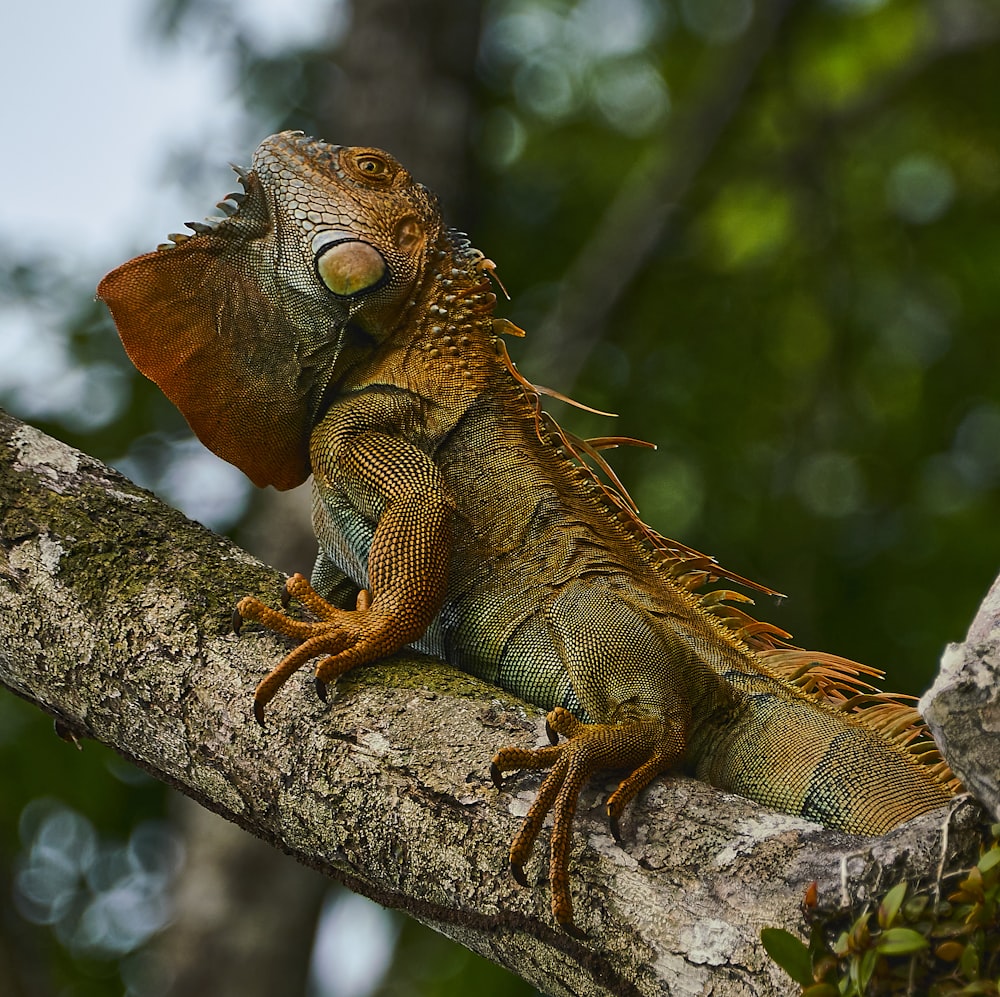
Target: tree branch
x: 114, y: 618
x: 962, y: 708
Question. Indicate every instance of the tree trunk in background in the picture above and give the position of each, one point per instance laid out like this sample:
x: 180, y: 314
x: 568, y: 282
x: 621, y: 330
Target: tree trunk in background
x: 244, y: 915
x: 402, y: 78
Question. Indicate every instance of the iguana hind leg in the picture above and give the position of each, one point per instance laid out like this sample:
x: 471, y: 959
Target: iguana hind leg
x: 645, y: 747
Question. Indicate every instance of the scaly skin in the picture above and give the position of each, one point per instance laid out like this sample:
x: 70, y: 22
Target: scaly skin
x: 334, y: 325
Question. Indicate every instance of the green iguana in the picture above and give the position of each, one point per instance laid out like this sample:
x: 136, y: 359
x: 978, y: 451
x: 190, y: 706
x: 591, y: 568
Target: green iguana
x: 331, y: 324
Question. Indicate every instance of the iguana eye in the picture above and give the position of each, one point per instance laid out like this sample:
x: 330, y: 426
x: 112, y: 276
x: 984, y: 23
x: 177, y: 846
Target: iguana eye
x: 349, y: 266
x: 372, y: 166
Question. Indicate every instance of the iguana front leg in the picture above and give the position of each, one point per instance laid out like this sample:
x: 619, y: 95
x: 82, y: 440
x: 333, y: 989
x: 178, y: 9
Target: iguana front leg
x: 336, y: 633
x: 644, y: 746
x: 396, y: 485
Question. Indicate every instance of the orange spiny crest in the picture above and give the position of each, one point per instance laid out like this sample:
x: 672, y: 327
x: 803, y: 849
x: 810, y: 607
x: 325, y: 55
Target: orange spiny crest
x: 760, y: 634
x: 832, y: 678
x: 529, y: 391
x: 723, y: 595
x: 733, y: 618
x: 842, y: 685
x: 688, y: 562
x: 617, y: 493
x: 898, y: 721
x: 686, y: 566
x: 487, y: 266
x: 715, y: 571
x: 484, y: 290
x: 692, y: 580
x: 612, y: 442
x: 892, y: 714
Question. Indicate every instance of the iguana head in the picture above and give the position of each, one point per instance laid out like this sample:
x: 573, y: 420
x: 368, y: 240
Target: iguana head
x: 247, y: 324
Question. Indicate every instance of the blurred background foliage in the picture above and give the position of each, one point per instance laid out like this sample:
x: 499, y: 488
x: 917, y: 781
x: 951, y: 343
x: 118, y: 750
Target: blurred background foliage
x: 767, y: 234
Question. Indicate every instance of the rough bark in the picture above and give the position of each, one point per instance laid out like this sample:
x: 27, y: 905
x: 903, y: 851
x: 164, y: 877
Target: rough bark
x: 114, y: 618
x: 962, y: 708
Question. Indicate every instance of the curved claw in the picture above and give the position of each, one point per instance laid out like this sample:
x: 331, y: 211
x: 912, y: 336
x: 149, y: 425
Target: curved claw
x: 517, y: 872
x: 258, y: 712
x: 571, y: 929
x: 616, y: 831
x: 237, y: 623
x: 551, y: 733
x: 321, y: 689
x: 496, y: 775
x: 286, y: 597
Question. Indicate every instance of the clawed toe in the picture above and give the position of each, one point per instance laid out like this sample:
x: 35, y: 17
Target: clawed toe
x: 644, y: 747
x: 347, y: 638
x: 258, y: 712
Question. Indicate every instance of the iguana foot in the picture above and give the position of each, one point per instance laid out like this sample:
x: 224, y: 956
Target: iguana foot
x: 347, y: 637
x: 647, y: 747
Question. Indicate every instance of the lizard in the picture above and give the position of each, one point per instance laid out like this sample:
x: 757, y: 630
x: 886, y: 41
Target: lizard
x: 330, y: 323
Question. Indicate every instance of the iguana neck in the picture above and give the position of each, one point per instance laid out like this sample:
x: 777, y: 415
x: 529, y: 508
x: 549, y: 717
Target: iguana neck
x: 444, y: 341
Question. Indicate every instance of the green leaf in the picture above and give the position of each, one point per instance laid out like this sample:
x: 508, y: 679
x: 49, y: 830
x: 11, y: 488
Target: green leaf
x: 821, y: 990
x: 891, y: 902
x: 900, y: 941
x: 789, y: 952
x: 840, y: 945
x: 914, y: 908
x: 990, y: 859
x: 969, y: 963
x: 984, y: 987
x: 866, y: 969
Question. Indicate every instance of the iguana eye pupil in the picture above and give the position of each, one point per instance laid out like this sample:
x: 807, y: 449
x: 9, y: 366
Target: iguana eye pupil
x: 351, y: 267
